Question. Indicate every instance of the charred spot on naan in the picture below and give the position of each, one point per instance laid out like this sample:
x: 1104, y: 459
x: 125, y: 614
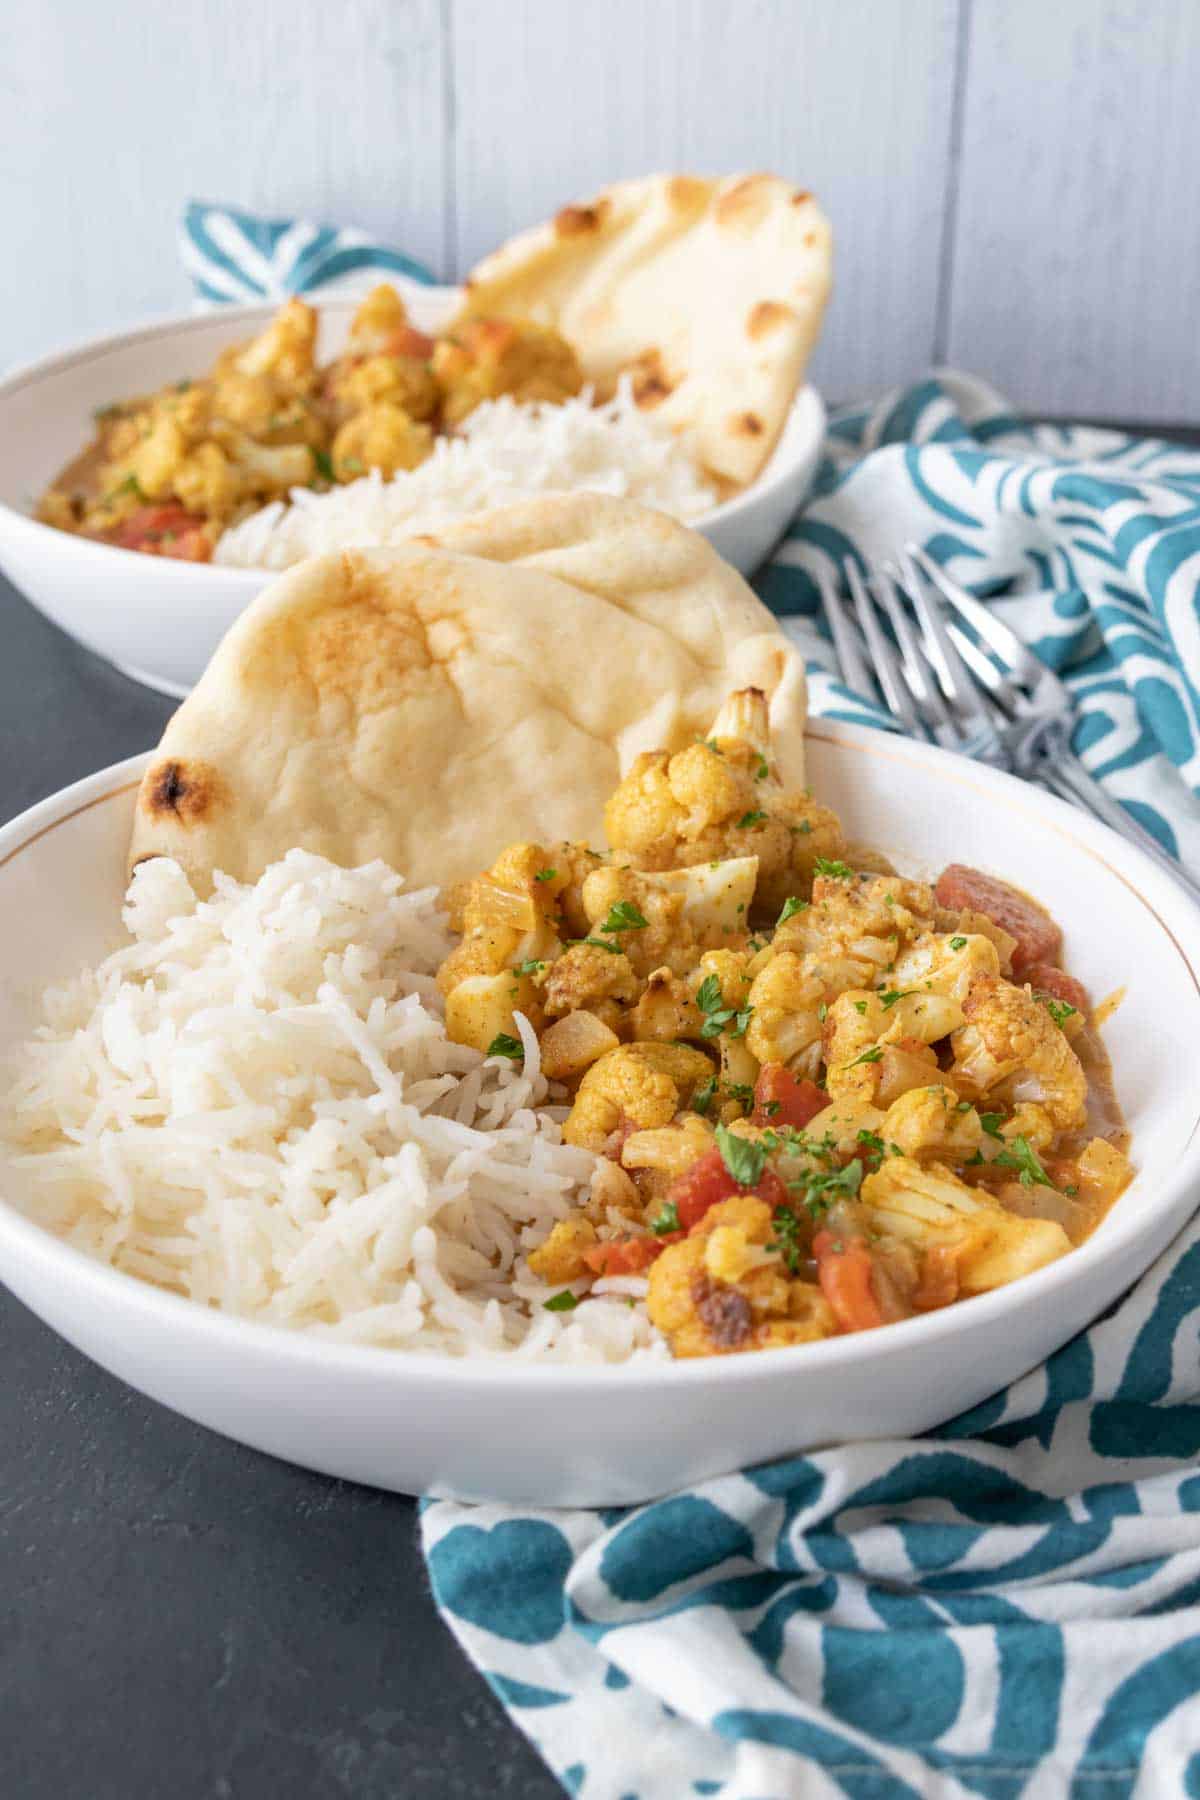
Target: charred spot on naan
x: 768, y: 316
x: 189, y: 791
x: 650, y: 379
x: 578, y: 221
x: 747, y: 424
x: 746, y: 203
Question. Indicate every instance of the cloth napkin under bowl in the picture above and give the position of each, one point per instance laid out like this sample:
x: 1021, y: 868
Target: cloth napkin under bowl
x: 1009, y: 1606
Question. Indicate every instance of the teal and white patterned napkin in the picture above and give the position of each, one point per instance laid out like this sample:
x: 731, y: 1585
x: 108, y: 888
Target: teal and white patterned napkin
x: 1010, y: 1606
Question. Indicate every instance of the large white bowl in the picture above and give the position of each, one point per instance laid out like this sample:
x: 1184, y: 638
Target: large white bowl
x: 159, y: 620
x: 574, y: 1436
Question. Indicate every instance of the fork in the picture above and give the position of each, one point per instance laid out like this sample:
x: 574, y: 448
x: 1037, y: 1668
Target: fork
x: 985, y: 696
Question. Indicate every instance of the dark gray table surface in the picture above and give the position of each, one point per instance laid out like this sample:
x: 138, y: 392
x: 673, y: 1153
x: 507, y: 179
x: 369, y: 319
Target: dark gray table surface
x: 179, y: 1616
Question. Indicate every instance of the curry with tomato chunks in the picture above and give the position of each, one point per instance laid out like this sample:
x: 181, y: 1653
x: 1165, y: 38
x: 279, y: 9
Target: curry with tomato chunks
x: 167, y: 473
x: 824, y: 1096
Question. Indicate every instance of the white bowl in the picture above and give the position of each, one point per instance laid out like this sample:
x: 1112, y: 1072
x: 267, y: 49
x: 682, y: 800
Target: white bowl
x: 562, y: 1435
x: 159, y: 620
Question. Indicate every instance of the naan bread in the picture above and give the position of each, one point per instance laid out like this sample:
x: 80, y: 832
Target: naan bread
x: 712, y: 291
x: 431, y: 703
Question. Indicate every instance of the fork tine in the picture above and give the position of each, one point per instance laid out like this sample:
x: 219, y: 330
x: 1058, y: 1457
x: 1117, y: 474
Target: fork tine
x: 957, y: 684
x: 1005, y: 643
x: 855, y: 671
x: 924, y: 690
x: 995, y: 689
x: 887, y: 665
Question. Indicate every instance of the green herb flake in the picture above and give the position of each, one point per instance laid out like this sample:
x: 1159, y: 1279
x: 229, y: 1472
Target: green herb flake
x: 1060, y: 1010
x: 791, y: 907
x: 991, y: 1123
x: 888, y: 1000
x: 130, y: 485
x: 821, y: 1188
x: 323, y: 464
x: 860, y: 1006
x: 751, y: 818
x: 771, y: 1108
x: 837, y: 871
x: 702, y: 1099
x: 958, y: 943
x: 666, y: 1221
x: 763, y: 769
x: 823, y: 1011
x: 787, y: 1237
x: 528, y: 968
x: 873, y: 1055
x: 1021, y: 1156
x: 504, y: 1045
x: 744, y: 1159
x: 602, y: 944
x: 623, y: 915
x: 545, y: 875
x: 564, y: 1302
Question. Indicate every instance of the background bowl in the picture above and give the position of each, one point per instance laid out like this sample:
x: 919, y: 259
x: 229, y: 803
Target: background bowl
x: 589, y: 1436
x: 159, y: 620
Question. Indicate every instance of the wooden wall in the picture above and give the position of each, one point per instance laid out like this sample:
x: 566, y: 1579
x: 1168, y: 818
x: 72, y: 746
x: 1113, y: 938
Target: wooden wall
x: 1013, y: 183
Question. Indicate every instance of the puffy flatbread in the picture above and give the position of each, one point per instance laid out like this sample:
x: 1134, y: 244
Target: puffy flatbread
x: 711, y: 291
x: 431, y: 703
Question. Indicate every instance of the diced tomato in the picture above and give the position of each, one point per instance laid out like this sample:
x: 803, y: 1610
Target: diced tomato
x: 708, y: 1182
x: 168, y: 530
x: 938, y: 1285
x: 844, y: 1272
x: 408, y: 341
x: 1044, y: 978
x: 779, y: 1099
x: 1038, y: 938
x: 623, y: 1256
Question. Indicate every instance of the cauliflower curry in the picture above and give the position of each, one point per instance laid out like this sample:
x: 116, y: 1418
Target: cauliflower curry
x: 168, y: 472
x: 823, y: 1096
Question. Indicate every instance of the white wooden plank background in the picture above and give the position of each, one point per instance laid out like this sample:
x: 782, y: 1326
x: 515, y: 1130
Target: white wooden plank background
x: 1012, y: 183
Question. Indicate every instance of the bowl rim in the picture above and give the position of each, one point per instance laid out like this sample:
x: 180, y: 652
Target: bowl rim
x: 806, y: 404
x: 22, y: 1239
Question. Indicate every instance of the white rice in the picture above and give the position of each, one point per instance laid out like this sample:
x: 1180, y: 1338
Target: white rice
x: 255, y: 1103
x: 504, y: 452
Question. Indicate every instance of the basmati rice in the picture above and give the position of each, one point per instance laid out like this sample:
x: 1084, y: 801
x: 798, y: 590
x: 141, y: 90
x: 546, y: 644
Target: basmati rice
x: 254, y: 1103
x: 506, y: 452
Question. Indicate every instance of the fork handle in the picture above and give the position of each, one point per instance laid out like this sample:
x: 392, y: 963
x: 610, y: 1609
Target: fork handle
x: 1065, y: 775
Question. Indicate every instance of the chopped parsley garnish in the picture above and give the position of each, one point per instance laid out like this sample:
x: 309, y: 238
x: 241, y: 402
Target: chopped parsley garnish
x: 791, y: 907
x: 528, y: 968
x: 771, y: 1108
x: 702, y: 1099
x: 860, y: 1006
x: 545, y: 875
x: 564, y: 1302
x: 991, y: 1123
x: 838, y: 871
x: 875, y: 1054
x: 751, y: 818
x: 820, y: 1188
x: 1072, y: 1190
x: 602, y: 944
x: 666, y: 1221
x: 890, y: 998
x: 1021, y: 1156
x: 873, y: 1144
x: 741, y: 1091
x: 823, y: 1011
x: 323, y: 464
x: 744, y: 1159
x: 763, y: 770
x: 801, y: 830
x: 787, y: 1237
x: 958, y: 943
x: 503, y: 1045
x: 1060, y: 1010
x: 130, y: 485
x: 964, y: 1106
x: 717, y: 1016
x: 353, y: 465
x: 623, y: 915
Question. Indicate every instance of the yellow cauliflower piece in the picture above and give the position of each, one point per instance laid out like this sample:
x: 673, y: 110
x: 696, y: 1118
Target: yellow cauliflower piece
x: 506, y: 917
x: 585, y: 974
x: 406, y: 381
x: 941, y: 964
x: 932, y: 1121
x: 1009, y: 1042
x: 644, y: 1083
x: 206, y: 482
x: 379, y: 318
x: 868, y: 919
x: 560, y: 1258
x: 930, y: 1208
x: 158, y: 456
x: 286, y: 348
x: 383, y: 436
x: 671, y: 1149
x: 657, y: 934
x: 860, y: 1026
x: 786, y: 1024
x: 484, y: 358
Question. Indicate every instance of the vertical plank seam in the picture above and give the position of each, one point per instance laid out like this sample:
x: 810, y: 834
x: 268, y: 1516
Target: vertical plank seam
x: 449, y: 268
x: 949, y: 243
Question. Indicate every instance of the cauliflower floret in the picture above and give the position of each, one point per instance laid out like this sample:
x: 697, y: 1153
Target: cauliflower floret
x: 206, y: 482
x: 483, y: 358
x: 247, y: 401
x: 266, y: 470
x: 648, y: 923
x: 158, y: 456
x: 646, y: 1084
x: 938, y: 964
x: 667, y: 1008
x: 406, y: 381
x: 1010, y: 1048
x: 869, y: 919
x: 670, y: 1149
x: 862, y: 1026
x: 286, y: 348
x: 382, y: 436
x: 585, y: 974
x: 786, y: 1025
x: 506, y: 917
x: 481, y: 1008
x: 380, y: 321
x: 931, y: 1209
x: 560, y: 1258
x: 932, y: 1121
